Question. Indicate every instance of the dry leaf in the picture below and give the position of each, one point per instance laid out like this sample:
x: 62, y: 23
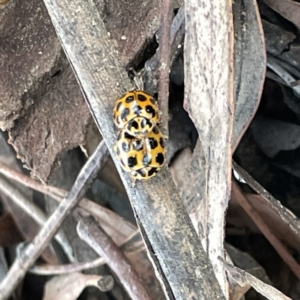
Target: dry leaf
x: 244, y: 261
x: 287, y: 8
x: 243, y: 278
x: 208, y: 59
x: 249, y: 64
x: 70, y: 286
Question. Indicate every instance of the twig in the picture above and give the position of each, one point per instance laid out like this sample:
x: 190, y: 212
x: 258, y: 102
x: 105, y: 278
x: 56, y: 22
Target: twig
x: 258, y: 220
x: 285, y: 214
x: 29, y: 254
x: 76, y: 267
x: 34, y: 212
x: 164, y: 74
x: 89, y: 231
x: 54, y: 192
x: 69, y: 268
x: 176, y: 39
x: 106, y: 215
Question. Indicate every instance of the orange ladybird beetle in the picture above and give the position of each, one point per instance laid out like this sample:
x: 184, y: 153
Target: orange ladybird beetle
x: 142, y: 157
x: 137, y: 113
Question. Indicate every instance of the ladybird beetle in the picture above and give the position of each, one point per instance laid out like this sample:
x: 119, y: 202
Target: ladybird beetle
x: 141, y: 156
x: 137, y: 113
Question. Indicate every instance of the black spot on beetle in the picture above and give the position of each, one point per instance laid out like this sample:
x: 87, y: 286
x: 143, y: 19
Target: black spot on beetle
x: 150, y: 110
x: 137, y: 110
x: 128, y: 136
x: 152, y: 171
x: 147, y: 160
x: 160, y: 158
x: 125, y: 114
x: 132, y: 161
x: 155, y: 130
x: 129, y: 99
x: 153, y: 143
x: 142, y: 97
x: 125, y: 147
x: 145, y: 122
x: 119, y: 106
x: 162, y: 142
x: 133, y: 124
x: 141, y: 172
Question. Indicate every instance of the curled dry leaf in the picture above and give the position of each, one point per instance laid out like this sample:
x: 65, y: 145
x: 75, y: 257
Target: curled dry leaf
x: 70, y: 286
x: 243, y: 278
x: 249, y: 64
x: 289, y: 9
x: 209, y: 102
x: 244, y: 261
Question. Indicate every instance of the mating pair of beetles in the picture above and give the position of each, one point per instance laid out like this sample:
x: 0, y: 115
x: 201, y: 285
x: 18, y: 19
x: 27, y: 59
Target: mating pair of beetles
x: 140, y: 144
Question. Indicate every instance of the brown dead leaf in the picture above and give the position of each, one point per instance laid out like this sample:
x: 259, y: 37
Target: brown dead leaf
x: 249, y: 64
x: 209, y: 102
x: 70, y: 286
x: 243, y: 278
x: 287, y: 8
x: 244, y: 261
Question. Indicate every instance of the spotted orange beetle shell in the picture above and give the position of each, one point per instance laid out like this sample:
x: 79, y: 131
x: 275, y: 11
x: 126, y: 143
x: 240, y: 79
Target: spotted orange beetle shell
x: 137, y: 113
x: 142, y: 157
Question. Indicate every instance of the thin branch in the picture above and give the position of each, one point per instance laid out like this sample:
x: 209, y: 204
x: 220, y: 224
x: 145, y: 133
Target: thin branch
x: 34, y: 212
x: 123, y: 226
x: 286, y: 215
x: 89, y: 231
x: 164, y: 74
x: 152, y: 65
x: 258, y: 220
x: 80, y: 266
x: 69, y: 268
x: 29, y: 254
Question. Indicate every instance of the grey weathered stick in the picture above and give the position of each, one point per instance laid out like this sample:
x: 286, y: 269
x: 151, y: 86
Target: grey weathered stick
x: 156, y: 202
x: 164, y: 69
x: 98, y: 211
x: 29, y: 254
x: 89, y: 231
x: 34, y: 212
